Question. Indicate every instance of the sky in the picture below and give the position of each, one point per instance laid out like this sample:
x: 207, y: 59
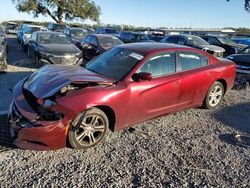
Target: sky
x: 158, y: 13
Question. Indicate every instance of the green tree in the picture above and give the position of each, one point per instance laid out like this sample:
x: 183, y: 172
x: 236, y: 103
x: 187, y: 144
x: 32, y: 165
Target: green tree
x: 60, y: 9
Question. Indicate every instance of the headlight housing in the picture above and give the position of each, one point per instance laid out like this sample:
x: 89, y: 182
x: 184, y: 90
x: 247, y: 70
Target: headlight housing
x: 46, y: 103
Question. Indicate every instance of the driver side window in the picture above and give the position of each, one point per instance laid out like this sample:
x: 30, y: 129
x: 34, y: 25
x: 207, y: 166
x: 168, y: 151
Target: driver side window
x: 160, y: 65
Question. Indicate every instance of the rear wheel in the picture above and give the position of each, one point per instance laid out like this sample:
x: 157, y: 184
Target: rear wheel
x: 214, y: 96
x: 88, y: 129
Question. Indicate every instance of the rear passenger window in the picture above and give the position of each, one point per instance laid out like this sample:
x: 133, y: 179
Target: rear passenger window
x: 190, y: 61
x: 160, y: 65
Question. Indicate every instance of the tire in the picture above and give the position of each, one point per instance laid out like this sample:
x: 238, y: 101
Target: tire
x: 88, y: 129
x: 214, y: 96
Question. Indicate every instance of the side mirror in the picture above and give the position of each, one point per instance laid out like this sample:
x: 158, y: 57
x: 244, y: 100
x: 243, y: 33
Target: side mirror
x: 142, y: 76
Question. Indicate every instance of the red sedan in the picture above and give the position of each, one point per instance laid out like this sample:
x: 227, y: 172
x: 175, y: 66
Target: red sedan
x: 128, y: 84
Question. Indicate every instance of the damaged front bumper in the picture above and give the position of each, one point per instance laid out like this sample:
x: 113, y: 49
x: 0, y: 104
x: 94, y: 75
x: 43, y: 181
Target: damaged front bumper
x: 33, y: 134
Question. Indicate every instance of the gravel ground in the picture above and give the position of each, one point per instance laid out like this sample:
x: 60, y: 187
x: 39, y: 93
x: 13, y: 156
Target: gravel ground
x: 192, y: 148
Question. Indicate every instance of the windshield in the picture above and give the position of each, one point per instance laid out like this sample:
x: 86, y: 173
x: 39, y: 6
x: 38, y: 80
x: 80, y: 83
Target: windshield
x: 197, y: 41
x: 32, y: 30
x: 245, y: 51
x: 140, y: 37
x: 115, y: 63
x: 58, y: 27
x: 53, y: 39
x: 225, y: 40
x: 111, y: 31
x: 78, y: 33
x: 109, y: 42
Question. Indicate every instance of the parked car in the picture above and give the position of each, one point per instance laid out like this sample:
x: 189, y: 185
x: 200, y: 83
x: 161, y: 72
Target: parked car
x: 195, y: 42
x: 19, y: 34
x: 53, y: 48
x: 224, y: 42
x: 242, y: 60
x: 245, y: 41
x: 108, y: 31
x: 3, y: 51
x: 156, y: 38
x: 56, y: 27
x: 27, y: 31
x: 126, y: 85
x: 131, y: 37
x: 75, y: 35
x: 95, y: 44
x: 11, y: 28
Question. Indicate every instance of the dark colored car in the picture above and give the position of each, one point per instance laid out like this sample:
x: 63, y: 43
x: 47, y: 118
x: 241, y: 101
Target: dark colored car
x: 93, y: 45
x: 156, y: 38
x: 11, y: 28
x: 224, y: 42
x: 26, y: 33
x: 3, y: 51
x: 195, y: 42
x: 244, y: 41
x: 126, y: 85
x: 131, y: 37
x: 75, y: 35
x: 19, y: 34
x: 107, y: 31
x: 242, y: 60
x: 53, y: 48
x: 56, y: 27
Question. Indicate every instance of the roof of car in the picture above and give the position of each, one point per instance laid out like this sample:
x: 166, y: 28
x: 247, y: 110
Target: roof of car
x: 184, y: 35
x: 149, y: 47
x: 103, y: 35
x: 133, y: 32
x: 49, y: 32
x: 30, y: 25
x: 214, y: 35
x: 76, y: 28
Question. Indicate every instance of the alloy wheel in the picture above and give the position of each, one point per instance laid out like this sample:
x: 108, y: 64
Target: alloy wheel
x: 90, y: 130
x: 215, y: 95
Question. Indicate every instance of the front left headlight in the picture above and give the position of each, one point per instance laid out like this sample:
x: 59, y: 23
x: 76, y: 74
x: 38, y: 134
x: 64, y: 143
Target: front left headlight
x: 46, y: 103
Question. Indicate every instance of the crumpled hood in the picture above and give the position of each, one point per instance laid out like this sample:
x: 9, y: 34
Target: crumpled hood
x: 60, y: 49
x: 48, y: 80
x: 212, y: 48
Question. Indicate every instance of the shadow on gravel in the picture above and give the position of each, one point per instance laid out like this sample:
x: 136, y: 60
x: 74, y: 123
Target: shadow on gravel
x: 227, y: 138
x: 237, y: 117
x: 6, y: 142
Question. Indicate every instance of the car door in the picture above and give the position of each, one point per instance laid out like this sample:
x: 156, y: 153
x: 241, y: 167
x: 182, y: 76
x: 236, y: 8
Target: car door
x: 195, y: 78
x: 158, y: 96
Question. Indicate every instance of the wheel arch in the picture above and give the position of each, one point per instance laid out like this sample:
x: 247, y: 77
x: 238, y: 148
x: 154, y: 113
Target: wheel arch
x: 224, y: 83
x: 110, y: 114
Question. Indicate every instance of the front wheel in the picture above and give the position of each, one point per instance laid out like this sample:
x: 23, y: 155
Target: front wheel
x: 214, y: 96
x: 88, y: 129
